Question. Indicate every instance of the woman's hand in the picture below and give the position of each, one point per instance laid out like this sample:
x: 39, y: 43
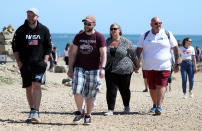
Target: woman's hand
x: 137, y: 67
x: 176, y: 68
x: 195, y: 69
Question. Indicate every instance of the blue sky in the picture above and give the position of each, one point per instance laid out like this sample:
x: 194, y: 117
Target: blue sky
x: 64, y: 16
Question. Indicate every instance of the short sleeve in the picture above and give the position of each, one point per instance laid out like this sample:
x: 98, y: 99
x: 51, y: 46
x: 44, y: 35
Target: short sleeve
x: 140, y: 41
x: 173, y: 41
x: 102, y: 41
x: 193, y: 51
x: 75, y: 41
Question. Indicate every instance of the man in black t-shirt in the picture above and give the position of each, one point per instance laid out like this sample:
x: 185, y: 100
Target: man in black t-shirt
x: 31, y: 46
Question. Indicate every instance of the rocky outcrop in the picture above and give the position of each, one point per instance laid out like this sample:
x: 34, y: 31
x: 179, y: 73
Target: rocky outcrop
x: 6, y: 37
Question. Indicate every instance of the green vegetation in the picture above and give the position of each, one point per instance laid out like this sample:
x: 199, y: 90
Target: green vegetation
x: 6, y: 80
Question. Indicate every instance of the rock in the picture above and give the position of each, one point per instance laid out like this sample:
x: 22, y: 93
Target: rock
x: 199, y: 67
x: 66, y: 80
x: 60, y: 69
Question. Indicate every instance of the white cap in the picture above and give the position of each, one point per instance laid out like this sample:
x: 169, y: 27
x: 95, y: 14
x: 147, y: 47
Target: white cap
x: 34, y: 10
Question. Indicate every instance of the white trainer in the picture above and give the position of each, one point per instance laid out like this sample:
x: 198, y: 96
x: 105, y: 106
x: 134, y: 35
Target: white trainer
x: 191, y: 95
x: 109, y: 113
x: 185, y: 96
x: 35, y: 117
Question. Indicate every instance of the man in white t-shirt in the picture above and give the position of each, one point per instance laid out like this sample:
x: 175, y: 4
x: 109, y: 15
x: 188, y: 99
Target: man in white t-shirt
x: 156, y: 46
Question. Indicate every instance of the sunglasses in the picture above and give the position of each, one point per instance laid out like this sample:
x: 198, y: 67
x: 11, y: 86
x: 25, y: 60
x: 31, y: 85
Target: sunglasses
x: 189, y: 41
x: 157, y: 23
x: 114, y: 29
x: 88, y: 24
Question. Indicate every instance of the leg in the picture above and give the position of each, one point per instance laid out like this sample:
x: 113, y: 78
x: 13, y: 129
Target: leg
x: 29, y: 96
x: 36, y: 100
x: 190, y: 72
x: 90, y: 105
x: 36, y: 94
x: 146, y: 85
x: 153, y: 94
x: 124, y: 88
x: 161, y: 83
x: 145, y: 81
x: 79, y: 101
x: 184, y: 77
x: 111, y: 84
x: 160, y: 93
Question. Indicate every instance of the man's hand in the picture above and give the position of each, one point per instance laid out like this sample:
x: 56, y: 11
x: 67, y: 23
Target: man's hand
x: 102, y: 73
x: 19, y: 64
x: 70, y: 73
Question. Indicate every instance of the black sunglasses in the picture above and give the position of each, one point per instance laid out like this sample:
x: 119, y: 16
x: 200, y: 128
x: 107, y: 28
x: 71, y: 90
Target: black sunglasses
x: 114, y: 29
x: 157, y: 23
x: 88, y: 24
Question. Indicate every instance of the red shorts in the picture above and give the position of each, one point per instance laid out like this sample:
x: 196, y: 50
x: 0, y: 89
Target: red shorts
x: 155, y: 78
x: 144, y: 74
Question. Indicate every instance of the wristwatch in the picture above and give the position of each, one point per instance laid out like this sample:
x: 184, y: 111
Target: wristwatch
x: 176, y: 65
x: 103, y: 68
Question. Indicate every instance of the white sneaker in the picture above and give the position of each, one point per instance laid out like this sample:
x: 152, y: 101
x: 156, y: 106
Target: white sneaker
x: 185, y: 96
x: 31, y: 114
x: 191, y: 95
x: 35, y: 117
x: 109, y: 113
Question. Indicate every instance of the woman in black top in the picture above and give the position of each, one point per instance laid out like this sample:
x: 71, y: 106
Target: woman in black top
x: 121, y: 62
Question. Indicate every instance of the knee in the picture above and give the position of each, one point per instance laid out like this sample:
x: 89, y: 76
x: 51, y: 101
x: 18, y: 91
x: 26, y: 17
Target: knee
x: 36, y: 86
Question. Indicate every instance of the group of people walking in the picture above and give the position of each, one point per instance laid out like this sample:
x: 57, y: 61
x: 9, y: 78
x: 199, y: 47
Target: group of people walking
x: 92, y: 57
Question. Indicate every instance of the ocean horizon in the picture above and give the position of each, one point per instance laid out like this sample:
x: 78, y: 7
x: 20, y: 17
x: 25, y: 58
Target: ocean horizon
x: 61, y: 39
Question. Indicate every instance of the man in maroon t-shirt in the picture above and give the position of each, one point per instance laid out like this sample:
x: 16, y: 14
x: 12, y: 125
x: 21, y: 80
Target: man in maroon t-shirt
x: 88, y: 59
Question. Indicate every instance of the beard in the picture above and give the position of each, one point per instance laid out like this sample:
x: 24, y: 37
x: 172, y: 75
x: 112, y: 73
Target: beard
x: 89, y: 29
x: 32, y: 22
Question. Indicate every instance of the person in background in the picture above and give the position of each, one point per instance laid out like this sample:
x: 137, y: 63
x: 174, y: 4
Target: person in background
x: 66, y: 52
x: 145, y: 81
x: 155, y: 45
x: 31, y: 46
x: 172, y: 68
x: 179, y: 43
x: 86, y: 67
x: 121, y: 62
x: 55, y: 56
x: 188, y: 66
x: 51, y: 59
x: 198, y: 54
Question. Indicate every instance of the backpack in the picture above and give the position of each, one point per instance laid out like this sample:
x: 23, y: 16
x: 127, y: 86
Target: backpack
x: 167, y: 33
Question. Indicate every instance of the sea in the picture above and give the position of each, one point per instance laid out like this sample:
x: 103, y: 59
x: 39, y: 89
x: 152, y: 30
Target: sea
x: 60, y: 40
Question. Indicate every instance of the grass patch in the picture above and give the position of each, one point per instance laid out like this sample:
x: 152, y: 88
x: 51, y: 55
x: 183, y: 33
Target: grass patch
x: 173, y: 78
x: 6, y: 80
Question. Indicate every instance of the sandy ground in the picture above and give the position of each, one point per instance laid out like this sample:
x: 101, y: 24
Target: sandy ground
x: 57, y: 106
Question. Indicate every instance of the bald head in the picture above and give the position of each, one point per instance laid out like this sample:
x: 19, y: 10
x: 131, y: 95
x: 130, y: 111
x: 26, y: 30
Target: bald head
x: 154, y: 19
x: 156, y: 25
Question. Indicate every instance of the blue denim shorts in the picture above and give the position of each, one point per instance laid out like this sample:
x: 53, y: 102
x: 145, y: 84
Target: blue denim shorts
x: 85, y: 82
